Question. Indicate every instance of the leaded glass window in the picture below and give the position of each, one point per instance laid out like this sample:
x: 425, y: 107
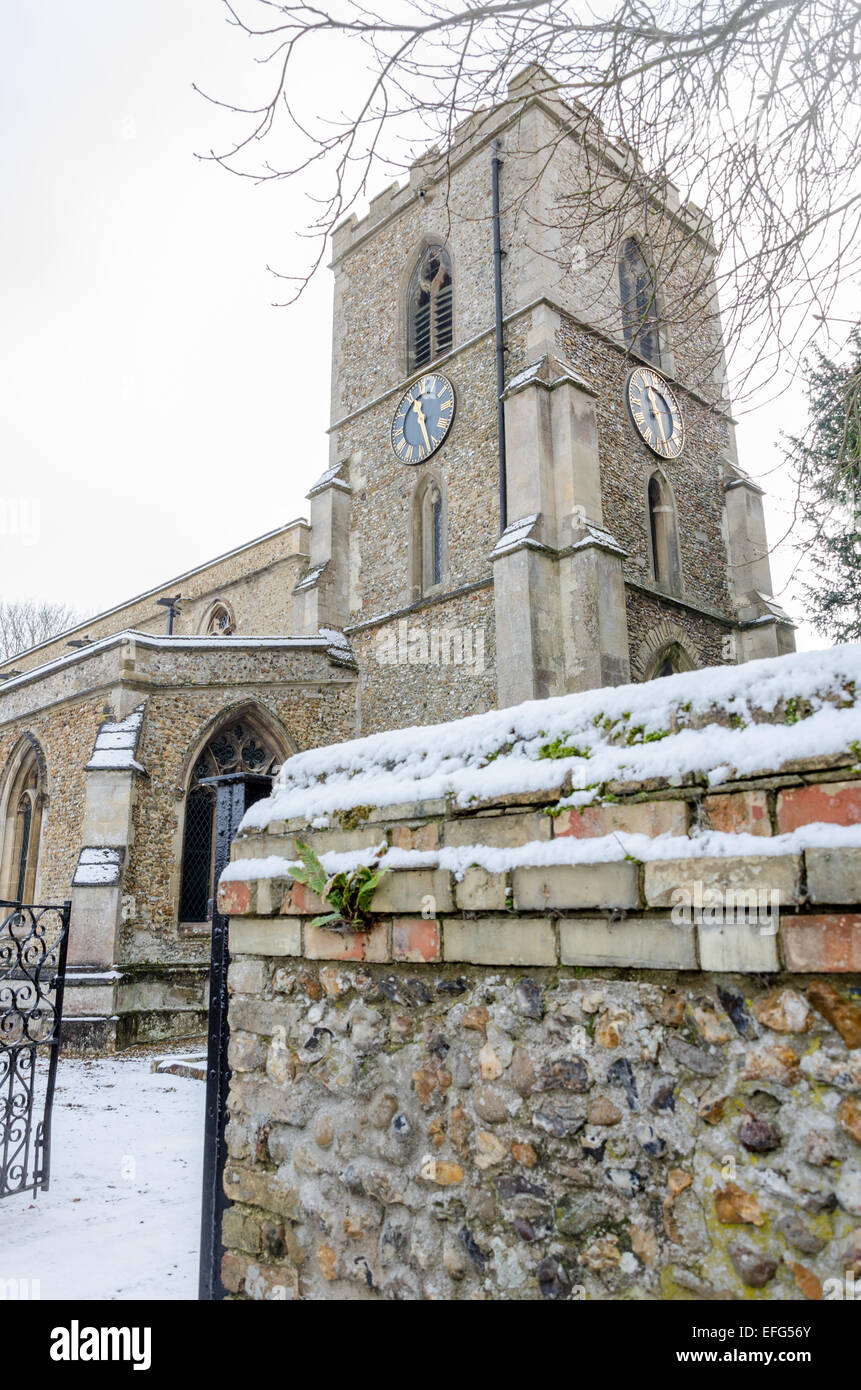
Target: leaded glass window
x: 220, y: 621
x: 639, y: 305
x: 197, y: 856
x: 238, y: 746
x: 25, y: 816
x: 21, y: 833
x: 436, y: 535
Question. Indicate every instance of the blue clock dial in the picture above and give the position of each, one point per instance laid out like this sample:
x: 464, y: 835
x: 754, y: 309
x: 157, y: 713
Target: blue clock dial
x: 423, y: 418
x: 655, y: 412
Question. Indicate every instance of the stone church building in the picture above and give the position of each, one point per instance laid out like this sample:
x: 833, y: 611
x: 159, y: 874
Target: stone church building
x: 613, y: 538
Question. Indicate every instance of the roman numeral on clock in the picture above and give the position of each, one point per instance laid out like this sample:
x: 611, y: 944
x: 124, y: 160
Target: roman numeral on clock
x: 422, y: 418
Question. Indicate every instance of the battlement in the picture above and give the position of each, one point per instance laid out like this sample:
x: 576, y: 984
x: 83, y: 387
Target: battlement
x: 532, y: 86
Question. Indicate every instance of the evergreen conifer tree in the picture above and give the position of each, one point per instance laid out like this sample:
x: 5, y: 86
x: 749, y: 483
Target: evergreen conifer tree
x: 827, y: 468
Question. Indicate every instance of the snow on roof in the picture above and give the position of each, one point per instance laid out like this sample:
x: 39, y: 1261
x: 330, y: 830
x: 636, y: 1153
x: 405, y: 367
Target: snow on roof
x: 339, y: 650
x: 310, y: 578
x: 717, y: 722
x: 598, y: 535
x: 173, y: 643
x: 530, y: 373
x: 519, y: 533
x: 160, y: 588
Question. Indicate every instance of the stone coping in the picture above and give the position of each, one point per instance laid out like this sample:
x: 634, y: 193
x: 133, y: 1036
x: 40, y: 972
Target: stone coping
x: 795, y: 772
x: 173, y: 643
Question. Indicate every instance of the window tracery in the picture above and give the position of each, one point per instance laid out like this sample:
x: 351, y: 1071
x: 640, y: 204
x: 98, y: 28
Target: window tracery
x: 237, y: 747
x: 429, y: 308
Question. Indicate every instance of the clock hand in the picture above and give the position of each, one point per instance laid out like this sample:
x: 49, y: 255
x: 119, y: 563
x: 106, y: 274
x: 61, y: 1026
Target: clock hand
x: 420, y: 416
x: 657, y: 414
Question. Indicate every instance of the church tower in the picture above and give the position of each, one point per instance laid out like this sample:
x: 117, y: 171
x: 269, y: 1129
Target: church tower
x: 595, y: 530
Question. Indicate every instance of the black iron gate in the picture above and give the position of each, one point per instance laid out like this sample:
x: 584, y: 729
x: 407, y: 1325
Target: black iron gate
x: 33, y: 945
x: 234, y: 793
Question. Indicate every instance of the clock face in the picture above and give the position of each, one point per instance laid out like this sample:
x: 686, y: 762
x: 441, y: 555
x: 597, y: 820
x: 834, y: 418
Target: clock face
x: 655, y: 412
x: 423, y: 418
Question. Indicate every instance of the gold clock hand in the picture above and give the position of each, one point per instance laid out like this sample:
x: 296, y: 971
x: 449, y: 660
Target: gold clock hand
x: 420, y: 416
x: 657, y: 414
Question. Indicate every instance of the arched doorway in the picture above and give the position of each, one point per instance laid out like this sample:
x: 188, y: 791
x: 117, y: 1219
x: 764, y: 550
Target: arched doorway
x: 240, y: 748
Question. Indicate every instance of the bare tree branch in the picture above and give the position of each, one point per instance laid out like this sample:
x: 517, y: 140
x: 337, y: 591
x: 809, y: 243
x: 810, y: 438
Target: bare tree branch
x: 28, y: 622
x: 750, y: 108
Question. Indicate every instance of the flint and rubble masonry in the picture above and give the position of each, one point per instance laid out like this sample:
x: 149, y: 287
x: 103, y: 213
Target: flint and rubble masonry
x: 538, y: 1074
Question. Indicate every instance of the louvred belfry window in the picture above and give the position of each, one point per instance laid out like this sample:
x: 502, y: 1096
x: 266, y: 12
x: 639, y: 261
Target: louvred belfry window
x: 430, y: 308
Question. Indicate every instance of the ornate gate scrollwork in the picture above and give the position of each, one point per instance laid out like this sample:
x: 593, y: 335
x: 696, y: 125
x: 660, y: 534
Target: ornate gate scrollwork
x: 33, y: 945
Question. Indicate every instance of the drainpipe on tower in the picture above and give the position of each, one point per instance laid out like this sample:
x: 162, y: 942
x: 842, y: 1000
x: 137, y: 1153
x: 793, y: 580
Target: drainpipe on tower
x: 500, y: 342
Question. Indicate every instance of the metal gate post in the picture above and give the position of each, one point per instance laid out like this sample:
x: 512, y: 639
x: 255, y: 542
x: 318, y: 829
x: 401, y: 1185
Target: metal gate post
x: 43, y: 1142
x: 234, y: 793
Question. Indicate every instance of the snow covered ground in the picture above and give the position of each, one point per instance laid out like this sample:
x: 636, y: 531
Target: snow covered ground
x: 122, y: 1216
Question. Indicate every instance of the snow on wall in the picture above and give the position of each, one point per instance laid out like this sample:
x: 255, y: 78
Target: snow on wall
x: 720, y: 722
x: 116, y: 743
x: 599, y: 849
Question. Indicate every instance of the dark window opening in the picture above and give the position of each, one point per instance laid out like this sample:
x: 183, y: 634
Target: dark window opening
x: 197, y: 857
x: 236, y: 748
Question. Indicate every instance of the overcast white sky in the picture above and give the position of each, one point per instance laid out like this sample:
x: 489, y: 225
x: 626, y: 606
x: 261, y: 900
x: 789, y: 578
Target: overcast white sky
x: 156, y: 410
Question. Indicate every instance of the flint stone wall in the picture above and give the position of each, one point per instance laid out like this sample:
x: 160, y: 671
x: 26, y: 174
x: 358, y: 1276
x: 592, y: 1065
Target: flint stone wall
x: 545, y: 1087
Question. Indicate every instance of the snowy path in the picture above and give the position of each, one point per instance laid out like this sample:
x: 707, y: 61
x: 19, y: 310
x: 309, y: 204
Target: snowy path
x: 122, y: 1217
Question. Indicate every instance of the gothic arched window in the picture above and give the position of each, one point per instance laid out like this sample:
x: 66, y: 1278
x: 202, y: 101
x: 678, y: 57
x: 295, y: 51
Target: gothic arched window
x: 433, y: 534
x: 639, y: 303
x: 220, y: 621
x: 663, y: 534
x: 428, y: 538
x: 669, y: 661
x: 23, y: 831
x: 239, y: 746
x: 429, y: 308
